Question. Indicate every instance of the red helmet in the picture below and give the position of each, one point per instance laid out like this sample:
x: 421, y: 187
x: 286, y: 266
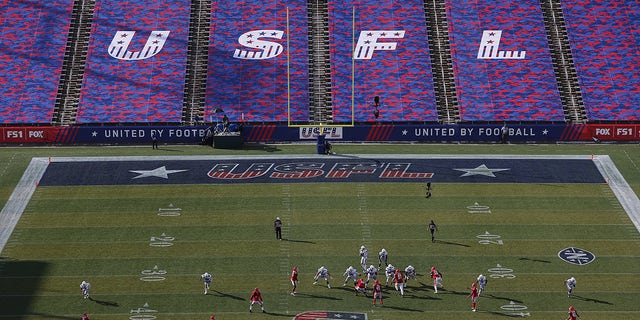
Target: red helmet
x: 571, y: 308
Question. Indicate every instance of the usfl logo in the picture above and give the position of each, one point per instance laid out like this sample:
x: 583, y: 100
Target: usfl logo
x: 576, y: 256
x: 330, y: 315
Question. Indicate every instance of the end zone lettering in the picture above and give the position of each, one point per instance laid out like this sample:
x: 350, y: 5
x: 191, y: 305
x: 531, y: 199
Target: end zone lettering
x: 306, y: 170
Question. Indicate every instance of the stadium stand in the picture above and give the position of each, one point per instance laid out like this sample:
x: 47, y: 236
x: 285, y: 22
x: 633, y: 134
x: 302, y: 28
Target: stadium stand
x: 32, y: 45
x: 247, y: 70
x: 604, y: 41
x: 492, y: 84
x: 397, y: 70
x: 141, y: 80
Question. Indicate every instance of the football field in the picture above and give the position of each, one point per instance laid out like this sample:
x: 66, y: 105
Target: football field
x: 142, y: 227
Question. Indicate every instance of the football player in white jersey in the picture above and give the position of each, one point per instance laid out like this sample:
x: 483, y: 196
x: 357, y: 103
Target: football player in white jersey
x: 206, y: 278
x: 482, y: 282
x: 389, y: 272
x: 571, y: 284
x: 350, y: 273
x: 322, y: 273
x: 410, y: 273
x: 382, y: 258
x: 85, y: 287
x: 372, y: 274
x: 363, y: 257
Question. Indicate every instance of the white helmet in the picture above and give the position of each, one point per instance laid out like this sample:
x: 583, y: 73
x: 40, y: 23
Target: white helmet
x: 371, y: 267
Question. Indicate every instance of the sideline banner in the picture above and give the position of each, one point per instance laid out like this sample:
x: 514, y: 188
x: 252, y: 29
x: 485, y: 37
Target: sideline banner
x: 364, y: 133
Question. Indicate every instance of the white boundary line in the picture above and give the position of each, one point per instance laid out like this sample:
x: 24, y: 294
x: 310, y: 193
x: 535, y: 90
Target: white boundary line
x: 17, y: 202
x: 12, y: 211
x: 627, y: 198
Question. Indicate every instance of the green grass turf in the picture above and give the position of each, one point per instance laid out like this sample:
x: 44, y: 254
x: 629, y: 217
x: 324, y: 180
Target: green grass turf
x: 102, y: 235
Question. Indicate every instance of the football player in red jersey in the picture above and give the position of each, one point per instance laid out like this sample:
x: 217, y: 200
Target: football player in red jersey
x: 294, y: 280
x: 256, y: 297
x: 398, y: 278
x: 437, y: 279
x: 573, y: 314
x: 474, y: 296
x: 377, y: 292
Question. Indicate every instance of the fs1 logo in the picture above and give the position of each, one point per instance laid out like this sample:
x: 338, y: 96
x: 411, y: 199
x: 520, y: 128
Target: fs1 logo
x: 576, y: 256
x: 368, y: 42
x: 261, y: 49
x: 122, y: 39
x: 489, y: 44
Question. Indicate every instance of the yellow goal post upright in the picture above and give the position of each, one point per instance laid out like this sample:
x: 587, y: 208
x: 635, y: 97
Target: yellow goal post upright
x: 353, y: 70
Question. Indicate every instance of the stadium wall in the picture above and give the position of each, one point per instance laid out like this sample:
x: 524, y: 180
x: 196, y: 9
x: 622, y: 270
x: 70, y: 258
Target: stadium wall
x: 489, y: 133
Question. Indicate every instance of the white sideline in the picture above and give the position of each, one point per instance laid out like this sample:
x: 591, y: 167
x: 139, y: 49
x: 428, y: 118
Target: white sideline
x: 20, y: 197
x: 13, y: 209
x: 627, y: 198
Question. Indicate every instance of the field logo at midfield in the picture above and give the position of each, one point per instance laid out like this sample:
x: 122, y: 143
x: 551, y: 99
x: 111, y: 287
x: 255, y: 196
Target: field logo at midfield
x: 576, y: 256
x: 330, y: 315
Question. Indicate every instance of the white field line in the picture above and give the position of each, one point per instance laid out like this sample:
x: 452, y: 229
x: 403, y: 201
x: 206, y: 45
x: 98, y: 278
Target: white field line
x: 627, y: 198
x: 20, y: 197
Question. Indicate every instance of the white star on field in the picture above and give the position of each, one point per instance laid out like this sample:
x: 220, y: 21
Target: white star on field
x: 480, y: 170
x: 161, y: 172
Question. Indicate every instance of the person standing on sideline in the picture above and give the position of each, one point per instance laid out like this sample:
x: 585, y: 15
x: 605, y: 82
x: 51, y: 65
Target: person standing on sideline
x: 85, y: 287
x: 154, y: 140
x: 573, y: 314
x: 571, y: 284
x: 504, y: 132
x: 256, y: 297
x: 428, y: 190
x: 206, y: 278
x: 277, y: 225
x: 433, y: 228
x: 294, y: 280
x: 474, y: 296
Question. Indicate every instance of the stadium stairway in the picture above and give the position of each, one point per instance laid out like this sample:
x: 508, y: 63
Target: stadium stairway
x: 563, y: 65
x: 320, y: 110
x: 68, y: 96
x: 197, y: 62
x: 440, y: 48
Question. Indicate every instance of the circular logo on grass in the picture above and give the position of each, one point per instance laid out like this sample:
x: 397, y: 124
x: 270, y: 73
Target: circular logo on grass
x: 330, y: 315
x: 576, y: 256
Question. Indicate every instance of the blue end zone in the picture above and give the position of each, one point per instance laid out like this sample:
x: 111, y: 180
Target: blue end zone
x: 321, y: 169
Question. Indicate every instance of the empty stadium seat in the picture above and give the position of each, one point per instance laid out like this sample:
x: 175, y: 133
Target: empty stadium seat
x: 391, y: 61
x: 510, y: 75
x: 32, y: 45
x: 605, y: 52
x: 247, y: 70
x: 142, y: 81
